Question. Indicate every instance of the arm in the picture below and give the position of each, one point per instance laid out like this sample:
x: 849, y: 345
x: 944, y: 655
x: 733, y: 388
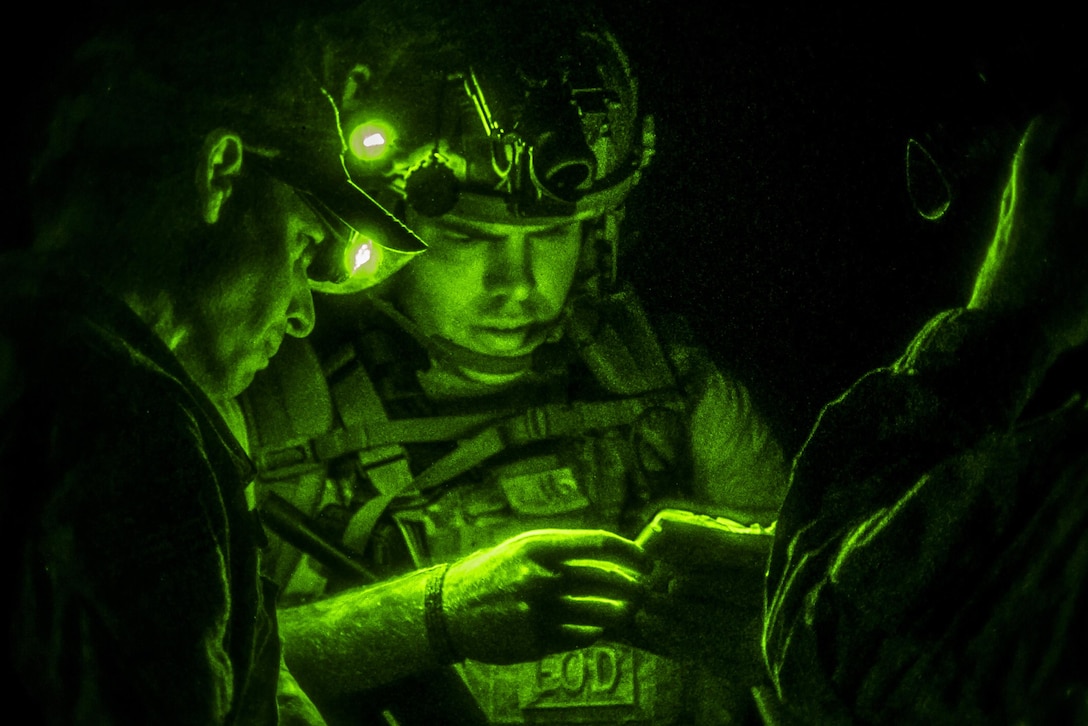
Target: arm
x: 738, y: 463
x: 362, y: 638
x: 876, y: 537
x: 541, y: 592
x: 701, y: 608
x: 136, y: 575
x: 901, y: 499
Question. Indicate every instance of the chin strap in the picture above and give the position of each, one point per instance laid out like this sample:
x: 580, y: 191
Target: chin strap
x: 457, y: 358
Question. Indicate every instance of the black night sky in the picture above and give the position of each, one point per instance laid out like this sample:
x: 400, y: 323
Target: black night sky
x: 776, y: 216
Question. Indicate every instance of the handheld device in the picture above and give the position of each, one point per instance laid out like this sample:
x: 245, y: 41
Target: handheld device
x: 690, y: 540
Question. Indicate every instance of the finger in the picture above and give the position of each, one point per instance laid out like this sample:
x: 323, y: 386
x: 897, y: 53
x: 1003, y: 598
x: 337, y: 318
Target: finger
x: 562, y: 623
x: 571, y: 637
x: 600, y: 612
x: 550, y: 547
x: 603, y: 573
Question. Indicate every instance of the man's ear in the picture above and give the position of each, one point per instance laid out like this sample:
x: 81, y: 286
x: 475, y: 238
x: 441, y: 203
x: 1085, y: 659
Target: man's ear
x: 218, y: 168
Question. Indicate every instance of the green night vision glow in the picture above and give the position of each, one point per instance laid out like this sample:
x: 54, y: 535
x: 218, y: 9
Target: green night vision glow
x: 927, y: 185
x: 603, y: 566
x: 985, y: 282
x: 371, y: 140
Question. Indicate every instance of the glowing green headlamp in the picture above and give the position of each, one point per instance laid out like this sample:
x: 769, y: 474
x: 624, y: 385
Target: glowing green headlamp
x: 371, y: 140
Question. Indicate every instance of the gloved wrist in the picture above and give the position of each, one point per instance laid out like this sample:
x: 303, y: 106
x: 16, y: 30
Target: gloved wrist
x: 434, y: 617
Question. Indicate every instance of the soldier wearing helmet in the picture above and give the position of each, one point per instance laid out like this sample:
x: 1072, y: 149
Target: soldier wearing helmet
x: 507, y: 380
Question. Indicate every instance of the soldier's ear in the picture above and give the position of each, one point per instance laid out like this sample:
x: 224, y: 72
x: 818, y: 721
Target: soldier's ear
x: 218, y: 168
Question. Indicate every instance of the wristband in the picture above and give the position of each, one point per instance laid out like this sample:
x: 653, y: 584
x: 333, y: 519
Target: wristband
x: 434, y: 618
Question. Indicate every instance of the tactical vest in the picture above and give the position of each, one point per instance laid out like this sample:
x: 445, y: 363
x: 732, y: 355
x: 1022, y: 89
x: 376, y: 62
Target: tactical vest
x: 343, y: 432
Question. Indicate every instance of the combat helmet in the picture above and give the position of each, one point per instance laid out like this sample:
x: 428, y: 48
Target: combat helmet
x: 531, y: 111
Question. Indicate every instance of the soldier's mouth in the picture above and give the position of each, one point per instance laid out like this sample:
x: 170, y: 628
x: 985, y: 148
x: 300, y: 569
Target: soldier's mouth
x: 500, y: 330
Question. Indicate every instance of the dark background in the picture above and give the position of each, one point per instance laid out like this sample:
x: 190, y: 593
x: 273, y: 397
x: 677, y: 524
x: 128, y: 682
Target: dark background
x: 776, y: 216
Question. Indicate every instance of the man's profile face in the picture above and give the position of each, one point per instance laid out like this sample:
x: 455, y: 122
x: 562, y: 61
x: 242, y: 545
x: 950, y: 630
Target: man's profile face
x: 493, y: 286
x: 261, y: 292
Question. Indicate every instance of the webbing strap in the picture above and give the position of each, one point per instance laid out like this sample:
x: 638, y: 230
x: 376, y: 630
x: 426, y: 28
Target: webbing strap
x: 286, y: 406
x: 342, y: 441
x: 362, y: 523
x: 538, y: 424
x: 359, y: 407
x: 369, y: 434
x: 617, y: 342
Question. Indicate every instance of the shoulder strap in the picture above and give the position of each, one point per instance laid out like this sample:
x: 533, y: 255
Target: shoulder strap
x: 286, y: 406
x: 359, y: 407
x: 614, y: 337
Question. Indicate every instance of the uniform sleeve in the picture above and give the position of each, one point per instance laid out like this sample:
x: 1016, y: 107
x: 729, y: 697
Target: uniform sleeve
x: 135, y: 557
x: 295, y: 707
x: 737, y: 461
x: 883, y: 515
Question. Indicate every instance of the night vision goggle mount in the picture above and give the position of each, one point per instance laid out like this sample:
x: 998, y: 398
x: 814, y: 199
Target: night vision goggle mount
x: 568, y: 144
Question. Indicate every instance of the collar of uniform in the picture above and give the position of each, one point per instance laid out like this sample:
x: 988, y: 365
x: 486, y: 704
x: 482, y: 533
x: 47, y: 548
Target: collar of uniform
x: 39, y: 278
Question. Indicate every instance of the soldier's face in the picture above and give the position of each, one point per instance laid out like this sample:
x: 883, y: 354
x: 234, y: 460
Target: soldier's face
x: 259, y: 292
x: 492, y: 287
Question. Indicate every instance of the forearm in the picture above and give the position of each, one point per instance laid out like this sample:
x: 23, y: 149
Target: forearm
x: 363, y: 638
